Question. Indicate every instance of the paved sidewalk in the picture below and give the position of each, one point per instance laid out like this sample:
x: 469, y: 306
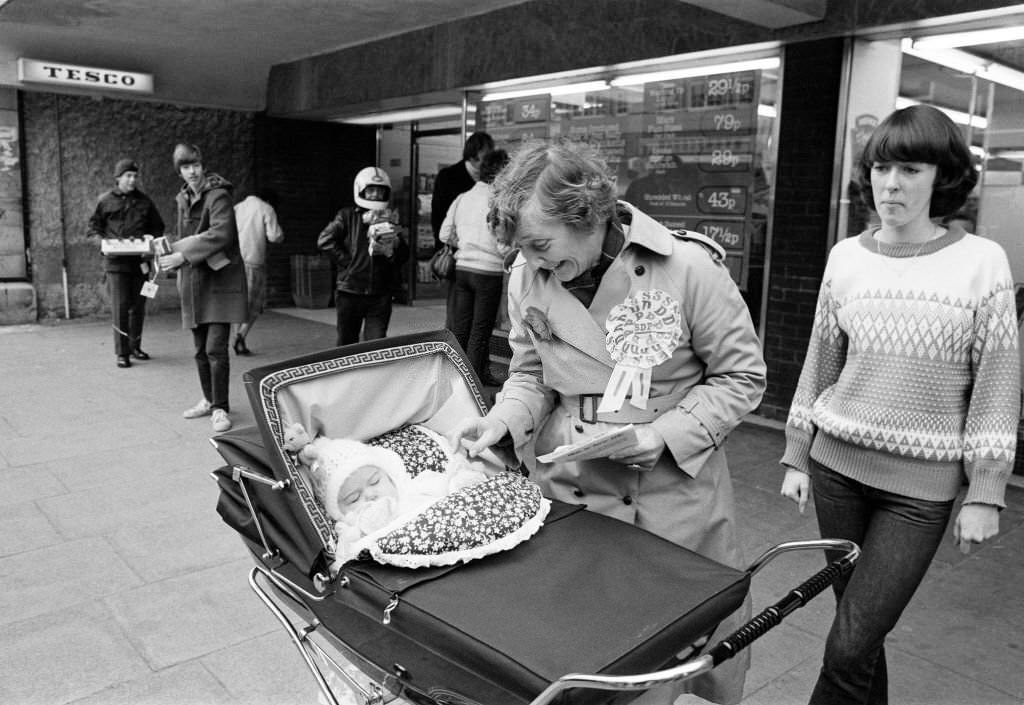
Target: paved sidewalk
x: 120, y: 585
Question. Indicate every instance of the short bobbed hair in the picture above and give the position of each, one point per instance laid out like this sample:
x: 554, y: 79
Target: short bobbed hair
x: 186, y: 154
x: 569, y: 179
x: 921, y: 133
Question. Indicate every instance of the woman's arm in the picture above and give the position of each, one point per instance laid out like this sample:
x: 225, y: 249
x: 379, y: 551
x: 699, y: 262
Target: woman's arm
x: 448, y: 235
x: 722, y: 336
x: 823, y: 363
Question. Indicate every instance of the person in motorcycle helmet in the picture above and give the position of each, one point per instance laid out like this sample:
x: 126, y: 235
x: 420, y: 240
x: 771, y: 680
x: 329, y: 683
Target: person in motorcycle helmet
x: 369, y: 249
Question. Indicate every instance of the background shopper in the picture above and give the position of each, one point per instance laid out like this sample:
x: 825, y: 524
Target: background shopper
x: 479, y: 270
x: 369, y: 251
x: 211, y: 278
x: 909, y: 389
x: 448, y: 184
x: 126, y: 212
x: 256, y: 218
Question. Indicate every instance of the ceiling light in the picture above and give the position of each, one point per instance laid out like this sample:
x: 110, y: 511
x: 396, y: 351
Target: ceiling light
x: 406, y: 115
x: 732, y: 67
x: 967, y: 63
x: 564, y: 89
x: 954, y: 115
x: 964, y: 39
x: 766, y: 111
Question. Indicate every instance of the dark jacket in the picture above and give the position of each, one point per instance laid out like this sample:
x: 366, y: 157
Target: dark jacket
x: 449, y: 183
x: 207, y: 231
x: 124, y: 215
x: 345, y: 237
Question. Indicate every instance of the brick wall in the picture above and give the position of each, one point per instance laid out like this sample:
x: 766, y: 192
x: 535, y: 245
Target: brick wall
x: 807, y: 133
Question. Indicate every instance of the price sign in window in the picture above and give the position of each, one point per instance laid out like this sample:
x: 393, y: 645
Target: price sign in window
x: 690, y: 152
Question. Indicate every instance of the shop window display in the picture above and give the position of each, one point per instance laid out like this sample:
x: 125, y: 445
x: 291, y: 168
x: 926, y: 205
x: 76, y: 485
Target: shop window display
x: 696, y: 153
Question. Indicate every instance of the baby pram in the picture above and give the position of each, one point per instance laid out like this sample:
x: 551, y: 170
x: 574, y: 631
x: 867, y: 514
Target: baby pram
x: 555, y: 619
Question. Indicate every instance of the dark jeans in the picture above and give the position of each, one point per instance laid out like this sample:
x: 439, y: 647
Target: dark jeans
x: 355, y: 309
x: 211, y: 354
x: 475, y: 309
x: 128, y: 310
x: 898, y: 537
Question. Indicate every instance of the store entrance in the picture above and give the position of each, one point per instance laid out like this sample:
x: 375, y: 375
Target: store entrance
x: 432, y: 150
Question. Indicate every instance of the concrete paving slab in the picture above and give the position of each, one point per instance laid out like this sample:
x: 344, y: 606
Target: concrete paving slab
x: 267, y: 670
x: 27, y: 483
x: 54, y: 578
x: 64, y: 655
x: 106, y: 509
x: 169, y: 547
x: 188, y: 683
x: 194, y: 614
x: 24, y: 528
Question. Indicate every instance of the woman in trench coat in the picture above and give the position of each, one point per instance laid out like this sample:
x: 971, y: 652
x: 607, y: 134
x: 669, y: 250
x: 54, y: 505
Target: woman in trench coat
x: 610, y: 309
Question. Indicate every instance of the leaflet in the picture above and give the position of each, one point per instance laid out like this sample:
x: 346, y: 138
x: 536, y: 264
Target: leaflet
x: 600, y: 446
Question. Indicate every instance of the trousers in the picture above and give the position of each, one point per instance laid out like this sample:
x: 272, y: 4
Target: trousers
x: 369, y: 313
x: 212, y: 362
x: 128, y: 310
x: 475, y: 310
x: 898, y: 536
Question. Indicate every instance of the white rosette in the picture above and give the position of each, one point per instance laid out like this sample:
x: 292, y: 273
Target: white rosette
x: 642, y: 332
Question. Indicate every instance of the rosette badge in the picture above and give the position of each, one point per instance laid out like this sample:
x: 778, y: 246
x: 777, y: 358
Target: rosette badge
x: 642, y: 332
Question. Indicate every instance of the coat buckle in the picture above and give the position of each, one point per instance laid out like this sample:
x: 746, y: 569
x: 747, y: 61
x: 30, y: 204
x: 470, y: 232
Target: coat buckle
x: 588, y: 407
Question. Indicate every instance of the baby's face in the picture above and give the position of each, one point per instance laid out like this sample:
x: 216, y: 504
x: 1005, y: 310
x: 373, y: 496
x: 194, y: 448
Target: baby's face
x: 366, y: 485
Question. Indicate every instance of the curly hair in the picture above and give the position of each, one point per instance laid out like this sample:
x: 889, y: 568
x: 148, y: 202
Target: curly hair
x: 570, y: 181
x: 921, y: 133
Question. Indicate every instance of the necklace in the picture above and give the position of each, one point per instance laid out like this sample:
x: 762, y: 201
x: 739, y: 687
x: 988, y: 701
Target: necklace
x: 907, y: 262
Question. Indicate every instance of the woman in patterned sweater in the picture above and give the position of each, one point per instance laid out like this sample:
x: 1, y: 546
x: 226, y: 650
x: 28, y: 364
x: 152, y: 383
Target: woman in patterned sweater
x: 910, y: 389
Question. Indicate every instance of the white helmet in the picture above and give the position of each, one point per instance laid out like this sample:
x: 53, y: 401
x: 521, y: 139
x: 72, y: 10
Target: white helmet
x: 371, y: 176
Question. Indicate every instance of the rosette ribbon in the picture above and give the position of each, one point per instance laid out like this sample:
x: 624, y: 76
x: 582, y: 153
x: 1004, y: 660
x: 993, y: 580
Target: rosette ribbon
x: 643, y: 331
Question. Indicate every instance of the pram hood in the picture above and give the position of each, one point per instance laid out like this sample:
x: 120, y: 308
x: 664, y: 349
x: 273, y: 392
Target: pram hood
x: 363, y: 392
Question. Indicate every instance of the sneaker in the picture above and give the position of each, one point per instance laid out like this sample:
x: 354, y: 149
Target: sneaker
x: 221, y: 421
x: 202, y: 408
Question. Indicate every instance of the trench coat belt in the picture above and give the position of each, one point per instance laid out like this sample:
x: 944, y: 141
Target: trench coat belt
x: 587, y: 405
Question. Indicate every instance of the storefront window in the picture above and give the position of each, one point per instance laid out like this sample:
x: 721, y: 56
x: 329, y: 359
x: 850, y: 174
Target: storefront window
x: 692, y: 147
x: 975, y: 77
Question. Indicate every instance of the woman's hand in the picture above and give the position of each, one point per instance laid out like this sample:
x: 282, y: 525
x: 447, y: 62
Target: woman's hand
x: 649, y: 446
x: 797, y: 486
x: 974, y: 524
x: 484, y: 432
x: 171, y: 261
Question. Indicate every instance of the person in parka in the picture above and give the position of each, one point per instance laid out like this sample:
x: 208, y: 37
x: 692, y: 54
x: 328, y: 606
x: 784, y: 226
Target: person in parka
x: 617, y: 320
x: 211, y: 278
x: 369, y: 250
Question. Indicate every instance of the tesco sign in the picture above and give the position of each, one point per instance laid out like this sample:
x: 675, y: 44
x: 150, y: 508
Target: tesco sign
x: 54, y: 73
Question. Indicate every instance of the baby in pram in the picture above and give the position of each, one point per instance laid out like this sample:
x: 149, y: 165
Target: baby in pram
x: 368, y: 487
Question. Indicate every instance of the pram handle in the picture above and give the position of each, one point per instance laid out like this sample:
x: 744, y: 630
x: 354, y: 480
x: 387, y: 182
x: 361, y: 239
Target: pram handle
x: 738, y: 640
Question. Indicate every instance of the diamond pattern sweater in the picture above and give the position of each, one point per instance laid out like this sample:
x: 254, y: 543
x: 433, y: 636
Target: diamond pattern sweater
x: 911, y: 380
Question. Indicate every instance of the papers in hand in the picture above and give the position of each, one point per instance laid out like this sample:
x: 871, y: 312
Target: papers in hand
x: 600, y: 446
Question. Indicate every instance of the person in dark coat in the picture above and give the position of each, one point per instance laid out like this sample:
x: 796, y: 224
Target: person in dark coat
x: 368, y: 249
x: 448, y: 184
x: 211, y: 278
x: 126, y: 212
